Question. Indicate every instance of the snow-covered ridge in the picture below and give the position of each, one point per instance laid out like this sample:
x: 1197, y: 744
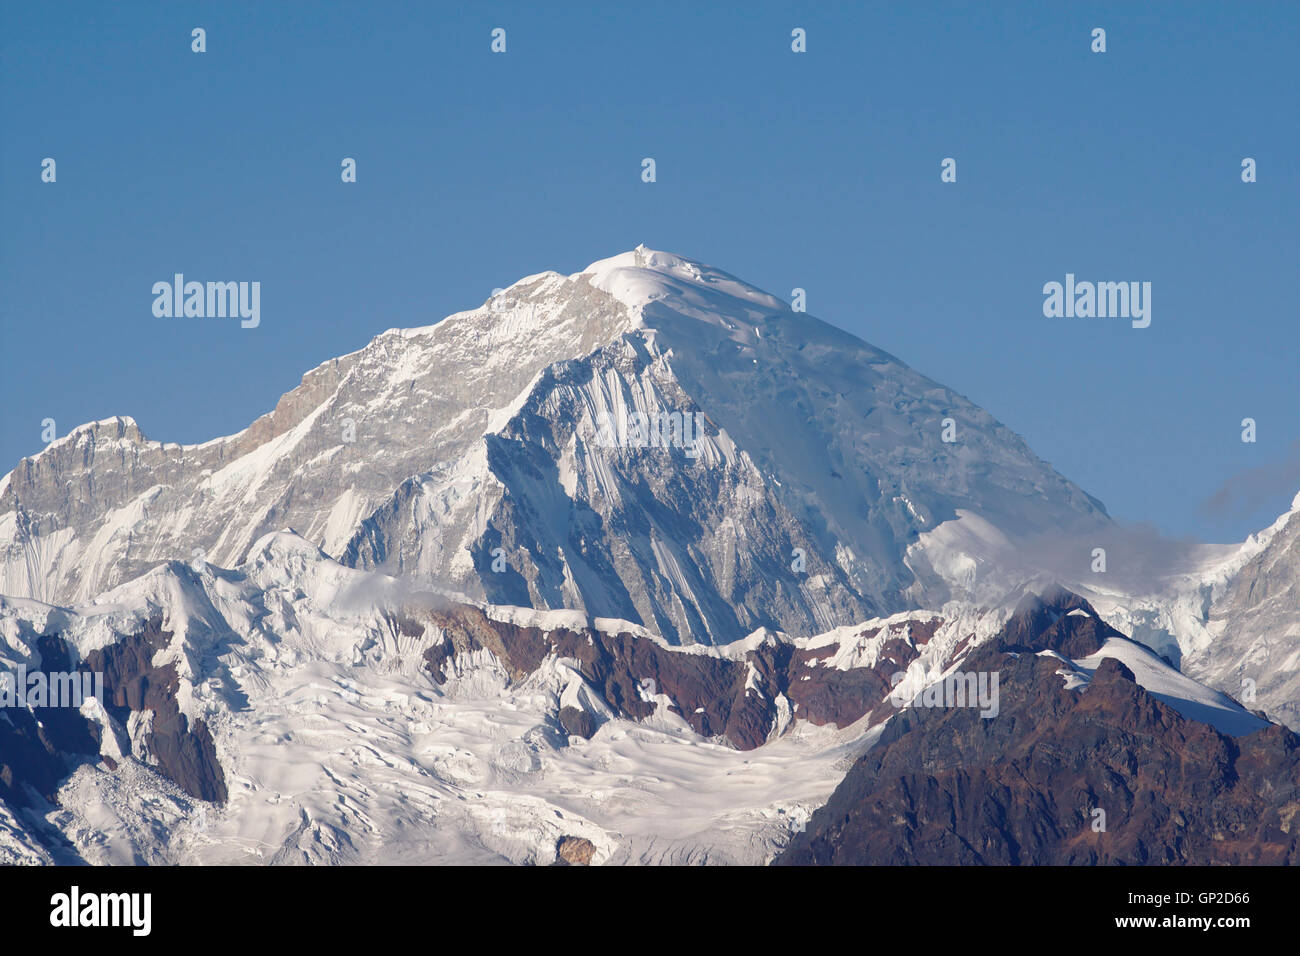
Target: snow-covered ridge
x: 1189, y: 697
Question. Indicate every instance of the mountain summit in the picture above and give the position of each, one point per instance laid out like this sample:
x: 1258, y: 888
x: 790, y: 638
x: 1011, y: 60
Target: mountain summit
x: 648, y: 439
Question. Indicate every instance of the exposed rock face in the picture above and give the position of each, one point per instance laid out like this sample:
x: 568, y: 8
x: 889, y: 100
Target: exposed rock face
x: 184, y: 755
x: 40, y: 746
x: 1046, y: 624
x: 734, y: 697
x: 578, y: 723
x: 708, y: 692
x: 575, y: 851
x: 945, y: 786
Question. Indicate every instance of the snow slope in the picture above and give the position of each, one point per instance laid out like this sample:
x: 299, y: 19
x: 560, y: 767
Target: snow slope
x: 1190, y: 698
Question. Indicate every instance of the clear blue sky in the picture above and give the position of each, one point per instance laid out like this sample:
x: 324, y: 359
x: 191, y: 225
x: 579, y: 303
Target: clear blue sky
x: 818, y: 170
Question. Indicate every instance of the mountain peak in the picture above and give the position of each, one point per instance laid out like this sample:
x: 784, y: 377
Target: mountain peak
x: 643, y: 275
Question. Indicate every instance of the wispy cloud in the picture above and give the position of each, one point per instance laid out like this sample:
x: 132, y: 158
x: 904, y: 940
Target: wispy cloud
x: 1244, y: 494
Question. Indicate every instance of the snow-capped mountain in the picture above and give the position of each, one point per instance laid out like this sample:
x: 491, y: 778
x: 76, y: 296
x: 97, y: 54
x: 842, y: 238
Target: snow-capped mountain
x: 523, y: 453
x: 631, y: 565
